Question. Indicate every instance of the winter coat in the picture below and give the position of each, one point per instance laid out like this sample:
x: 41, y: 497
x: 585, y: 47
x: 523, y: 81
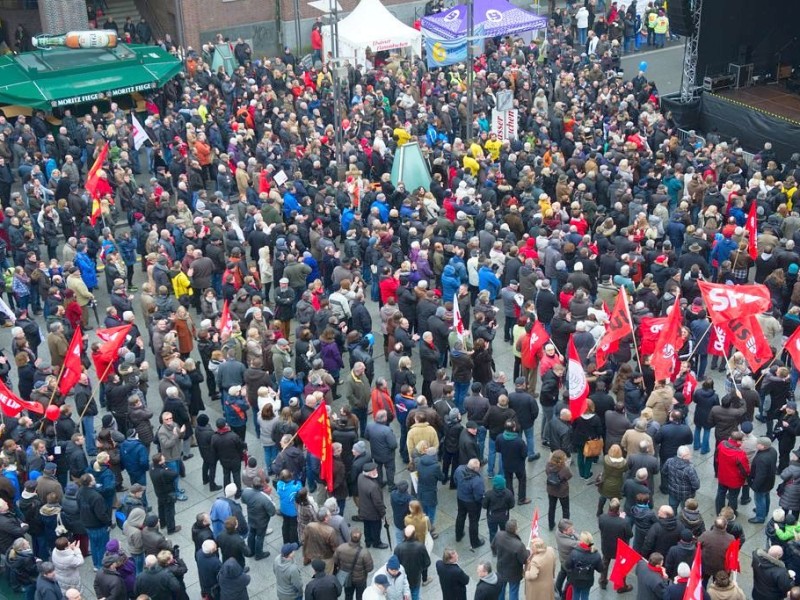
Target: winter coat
x: 650, y: 583
x: 763, y: 470
x: 540, y: 576
x: 664, y: 534
x: 612, y: 528
x: 370, y: 499
x: 682, y: 479
x: 453, y: 581
x: 382, y: 442
x: 581, y: 566
x: 511, y: 556
x: 233, y: 581
x: 612, y: 477
x: 288, y: 579
x: 469, y: 485
x: 430, y: 474
x: 415, y: 560
x: 771, y: 579
x: 732, y: 465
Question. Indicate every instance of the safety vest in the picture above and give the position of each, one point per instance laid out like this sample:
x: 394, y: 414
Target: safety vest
x: 662, y: 24
x: 652, y: 16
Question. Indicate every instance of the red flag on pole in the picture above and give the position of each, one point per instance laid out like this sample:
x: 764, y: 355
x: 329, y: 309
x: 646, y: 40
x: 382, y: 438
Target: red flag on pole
x: 752, y: 230
x: 225, y: 325
x: 668, y: 343
x: 718, y: 342
x: 534, y: 525
x: 689, y: 387
x: 316, y: 435
x: 694, y: 587
x: 732, y: 556
x: 576, y: 378
x: 107, y: 353
x: 748, y: 338
x: 12, y: 405
x: 458, y: 323
x: 726, y: 302
x: 792, y: 346
x: 619, y: 325
x: 649, y: 330
x: 96, y: 185
x: 72, y: 368
x: 539, y: 337
x: 624, y: 563
x: 96, y: 213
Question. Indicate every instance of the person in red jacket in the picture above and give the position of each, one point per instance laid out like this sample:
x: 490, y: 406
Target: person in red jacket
x: 316, y: 42
x: 733, y: 468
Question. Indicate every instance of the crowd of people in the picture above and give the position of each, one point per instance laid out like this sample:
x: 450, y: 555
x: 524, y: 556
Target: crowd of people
x: 260, y: 278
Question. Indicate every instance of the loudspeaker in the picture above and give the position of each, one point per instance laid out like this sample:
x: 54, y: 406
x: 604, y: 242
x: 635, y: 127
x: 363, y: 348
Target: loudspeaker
x: 679, y: 13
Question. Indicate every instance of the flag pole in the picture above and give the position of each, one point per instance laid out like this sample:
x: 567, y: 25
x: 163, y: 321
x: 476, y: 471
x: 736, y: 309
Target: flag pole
x: 633, y: 329
x: 733, y: 379
x: 765, y: 370
x: 52, y: 397
x: 94, y: 390
x: 697, y: 345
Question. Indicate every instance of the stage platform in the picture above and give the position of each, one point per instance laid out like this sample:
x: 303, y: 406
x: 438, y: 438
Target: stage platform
x: 774, y: 100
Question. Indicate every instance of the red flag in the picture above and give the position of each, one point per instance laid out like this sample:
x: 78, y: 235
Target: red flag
x: 458, y: 323
x: 732, y: 556
x: 649, y: 330
x: 694, y: 587
x: 72, y: 368
x: 534, y: 525
x: 689, y: 386
x: 748, y: 338
x: 12, y: 405
x: 95, y: 185
x: 539, y: 337
x: 605, y: 307
x: 624, y: 563
x: 718, y: 341
x: 752, y: 229
x: 96, y: 213
x: 792, y: 346
x: 576, y: 378
x: 225, y: 319
x: 619, y: 325
x: 316, y: 435
x: 106, y: 355
x: 668, y: 343
x: 726, y: 302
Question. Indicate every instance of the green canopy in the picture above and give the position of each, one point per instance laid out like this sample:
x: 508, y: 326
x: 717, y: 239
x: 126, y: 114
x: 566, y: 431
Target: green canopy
x: 410, y: 167
x: 62, y: 77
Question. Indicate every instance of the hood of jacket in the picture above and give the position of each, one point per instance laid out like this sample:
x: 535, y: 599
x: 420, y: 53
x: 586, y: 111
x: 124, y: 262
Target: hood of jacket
x: 231, y: 569
x: 136, y: 518
x: 668, y: 523
x: 491, y: 578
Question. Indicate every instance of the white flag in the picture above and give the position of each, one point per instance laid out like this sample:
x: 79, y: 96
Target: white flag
x: 6, y: 310
x: 139, y: 134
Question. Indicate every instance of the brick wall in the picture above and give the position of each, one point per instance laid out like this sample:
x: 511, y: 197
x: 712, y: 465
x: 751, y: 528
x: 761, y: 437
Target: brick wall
x: 13, y: 17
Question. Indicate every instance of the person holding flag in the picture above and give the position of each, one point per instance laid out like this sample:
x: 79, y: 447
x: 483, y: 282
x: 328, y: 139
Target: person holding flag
x: 615, y: 532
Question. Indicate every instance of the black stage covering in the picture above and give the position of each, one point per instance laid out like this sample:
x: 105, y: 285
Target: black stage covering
x: 743, y: 32
x: 730, y: 118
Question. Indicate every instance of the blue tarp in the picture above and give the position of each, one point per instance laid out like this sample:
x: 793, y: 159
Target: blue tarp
x: 495, y: 17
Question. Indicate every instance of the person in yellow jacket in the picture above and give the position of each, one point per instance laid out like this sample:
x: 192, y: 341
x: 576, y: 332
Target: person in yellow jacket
x: 476, y: 150
x: 661, y: 28
x: 402, y: 135
x: 493, y: 146
x: 471, y: 164
x: 180, y: 282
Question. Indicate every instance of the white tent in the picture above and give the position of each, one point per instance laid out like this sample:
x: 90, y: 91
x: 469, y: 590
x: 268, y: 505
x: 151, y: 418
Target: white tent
x: 372, y: 26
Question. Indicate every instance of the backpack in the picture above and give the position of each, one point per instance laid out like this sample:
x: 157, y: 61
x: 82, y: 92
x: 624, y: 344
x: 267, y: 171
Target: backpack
x: 236, y: 511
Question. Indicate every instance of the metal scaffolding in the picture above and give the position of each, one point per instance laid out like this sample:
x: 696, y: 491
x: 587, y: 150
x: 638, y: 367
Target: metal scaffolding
x: 689, y: 75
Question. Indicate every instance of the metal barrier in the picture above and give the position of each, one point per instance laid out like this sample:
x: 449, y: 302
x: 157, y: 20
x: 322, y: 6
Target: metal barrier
x: 684, y: 133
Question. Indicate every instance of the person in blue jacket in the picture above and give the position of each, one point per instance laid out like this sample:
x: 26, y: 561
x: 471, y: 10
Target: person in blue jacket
x: 450, y: 283
x: 290, y: 202
x: 104, y: 479
x: 487, y: 280
x: 135, y: 460
x: 87, y: 268
x: 287, y: 490
x: 383, y: 208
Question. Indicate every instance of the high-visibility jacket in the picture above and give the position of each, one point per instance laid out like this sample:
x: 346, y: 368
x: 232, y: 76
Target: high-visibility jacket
x: 662, y: 24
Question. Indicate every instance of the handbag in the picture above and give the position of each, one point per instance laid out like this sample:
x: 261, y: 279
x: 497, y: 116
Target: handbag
x: 346, y: 577
x: 593, y: 448
x: 60, y: 529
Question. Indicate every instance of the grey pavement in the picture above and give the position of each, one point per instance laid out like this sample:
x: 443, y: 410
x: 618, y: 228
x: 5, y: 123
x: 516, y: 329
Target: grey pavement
x: 583, y: 499
x: 664, y: 66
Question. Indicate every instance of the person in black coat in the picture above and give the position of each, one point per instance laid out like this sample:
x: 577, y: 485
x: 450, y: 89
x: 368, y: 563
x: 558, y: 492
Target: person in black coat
x: 671, y: 436
x: 664, y: 533
x: 467, y: 446
x: 513, y: 451
x: 613, y: 527
x: 208, y: 565
x: 233, y: 581
x: 489, y: 585
x: 771, y: 578
x: 47, y: 587
x: 763, y: 471
x: 526, y: 409
x: 202, y: 435
x: 651, y: 578
x: 231, y: 544
x: 582, y: 563
x: 322, y: 586
x: 227, y: 448
x: 414, y: 558
x: 453, y: 580
x: 682, y: 552
x: 163, y: 479
x: 96, y: 517
x: 429, y: 357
